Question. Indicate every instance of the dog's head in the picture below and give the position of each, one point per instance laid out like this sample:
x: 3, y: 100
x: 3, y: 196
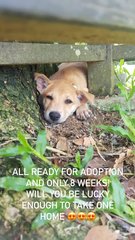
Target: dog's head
x: 60, y: 100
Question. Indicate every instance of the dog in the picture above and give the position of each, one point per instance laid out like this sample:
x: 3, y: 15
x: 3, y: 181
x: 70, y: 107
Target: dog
x: 65, y: 92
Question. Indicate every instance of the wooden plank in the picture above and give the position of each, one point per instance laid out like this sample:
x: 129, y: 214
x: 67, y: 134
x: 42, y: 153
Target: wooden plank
x: 32, y: 29
x: 124, y: 51
x: 102, y: 12
x: 38, y: 53
x: 100, y: 75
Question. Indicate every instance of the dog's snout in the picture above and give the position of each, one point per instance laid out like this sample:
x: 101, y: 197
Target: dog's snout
x: 54, y: 116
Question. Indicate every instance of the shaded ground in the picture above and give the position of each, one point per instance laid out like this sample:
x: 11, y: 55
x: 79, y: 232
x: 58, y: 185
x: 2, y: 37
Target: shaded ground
x: 70, y: 137
x: 20, y: 111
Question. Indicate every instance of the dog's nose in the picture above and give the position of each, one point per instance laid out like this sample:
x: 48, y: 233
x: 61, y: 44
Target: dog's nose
x: 54, y: 116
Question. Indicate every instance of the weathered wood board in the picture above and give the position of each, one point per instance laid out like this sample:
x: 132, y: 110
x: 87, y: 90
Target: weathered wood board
x: 101, y: 75
x: 38, y: 53
x: 126, y: 52
x: 12, y: 53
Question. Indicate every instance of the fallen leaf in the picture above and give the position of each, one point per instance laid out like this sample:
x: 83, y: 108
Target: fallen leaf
x: 62, y: 144
x: 131, y: 237
x: 89, y: 141
x: 78, y: 142
x: 119, y: 161
x: 86, y: 141
x: 98, y: 163
x: 101, y: 233
x: 130, y: 187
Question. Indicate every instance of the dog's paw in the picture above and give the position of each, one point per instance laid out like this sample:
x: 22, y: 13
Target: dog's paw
x: 83, y: 113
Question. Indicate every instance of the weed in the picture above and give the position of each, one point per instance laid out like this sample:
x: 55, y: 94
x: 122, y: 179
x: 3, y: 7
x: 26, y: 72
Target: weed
x: 24, y: 151
x: 127, y: 90
x: 121, y: 207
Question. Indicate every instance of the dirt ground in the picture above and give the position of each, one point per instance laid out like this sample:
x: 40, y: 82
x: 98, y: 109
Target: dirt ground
x: 109, y: 151
x: 74, y: 135
x: 66, y: 139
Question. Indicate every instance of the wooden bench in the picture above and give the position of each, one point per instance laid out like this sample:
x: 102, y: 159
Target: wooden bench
x: 99, y: 57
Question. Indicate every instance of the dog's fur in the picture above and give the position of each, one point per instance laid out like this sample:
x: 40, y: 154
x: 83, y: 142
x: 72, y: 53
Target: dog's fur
x: 65, y: 92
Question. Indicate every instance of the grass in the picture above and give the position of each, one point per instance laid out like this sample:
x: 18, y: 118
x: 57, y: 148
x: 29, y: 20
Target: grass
x: 26, y: 152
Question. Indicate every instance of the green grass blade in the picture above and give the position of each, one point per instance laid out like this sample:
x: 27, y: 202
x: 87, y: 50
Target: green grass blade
x: 118, y: 131
x: 41, y: 142
x: 88, y: 156
x: 24, y: 142
x: 29, y: 149
x: 78, y: 160
x: 28, y: 165
x: 118, y: 193
x: 128, y: 121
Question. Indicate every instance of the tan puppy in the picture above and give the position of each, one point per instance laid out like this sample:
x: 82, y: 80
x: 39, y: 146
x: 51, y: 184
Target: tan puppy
x: 65, y: 92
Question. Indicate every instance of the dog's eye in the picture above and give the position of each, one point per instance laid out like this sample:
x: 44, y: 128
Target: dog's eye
x: 49, y: 97
x: 68, y: 101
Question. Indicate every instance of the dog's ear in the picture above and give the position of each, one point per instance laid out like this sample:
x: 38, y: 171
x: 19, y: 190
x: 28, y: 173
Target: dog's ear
x: 42, y: 81
x: 85, y: 97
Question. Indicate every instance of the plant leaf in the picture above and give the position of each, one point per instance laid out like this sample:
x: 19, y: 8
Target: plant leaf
x: 128, y: 121
x: 118, y: 130
x: 88, y: 156
x: 14, y: 183
x: 29, y: 149
x: 114, y: 129
x: 28, y: 165
x: 118, y: 193
x: 121, y: 63
x: 78, y: 160
x: 123, y: 90
x: 12, y: 151
x: 125, y: 70
x: 41, y: 142
x: 39, y: 222
x: 24, y: 142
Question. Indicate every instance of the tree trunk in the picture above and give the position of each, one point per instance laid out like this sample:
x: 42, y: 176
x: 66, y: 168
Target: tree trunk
x: 19, y: 109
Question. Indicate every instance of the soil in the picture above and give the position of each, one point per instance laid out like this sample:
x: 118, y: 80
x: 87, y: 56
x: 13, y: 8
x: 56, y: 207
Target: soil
x: 73, y: 129
x: 77, y: 133
x: 67, y: 139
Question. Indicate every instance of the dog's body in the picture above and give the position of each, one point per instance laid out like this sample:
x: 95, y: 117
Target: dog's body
x: 65, y: 92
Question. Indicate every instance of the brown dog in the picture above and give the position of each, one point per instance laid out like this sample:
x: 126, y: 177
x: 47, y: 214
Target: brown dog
x: 65, y: 92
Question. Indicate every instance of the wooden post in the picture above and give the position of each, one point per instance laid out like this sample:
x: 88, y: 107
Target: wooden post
x: 100, y: 75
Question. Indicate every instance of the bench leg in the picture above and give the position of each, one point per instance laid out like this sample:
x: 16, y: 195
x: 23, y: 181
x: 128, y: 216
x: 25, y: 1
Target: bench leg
x: 100, y: 75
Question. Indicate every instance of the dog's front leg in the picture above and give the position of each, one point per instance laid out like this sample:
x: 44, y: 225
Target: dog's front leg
x: 83, y: 112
